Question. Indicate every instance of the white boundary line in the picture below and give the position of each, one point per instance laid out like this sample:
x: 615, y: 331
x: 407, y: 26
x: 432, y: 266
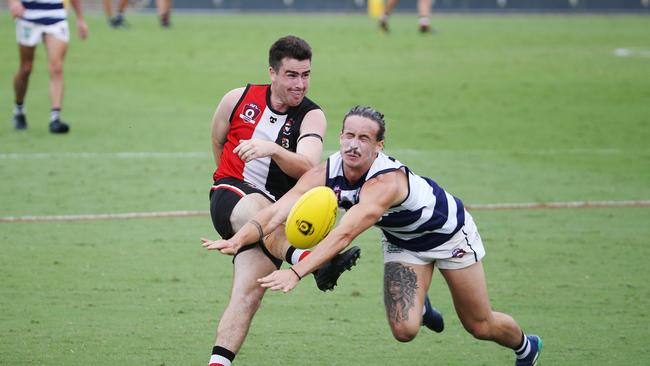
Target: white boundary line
x: 477, y: 207
x: 206, y: 154
x: 104, y: 155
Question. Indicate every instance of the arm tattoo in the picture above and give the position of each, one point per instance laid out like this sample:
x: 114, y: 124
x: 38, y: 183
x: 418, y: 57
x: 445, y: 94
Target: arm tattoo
x: 400, y: 283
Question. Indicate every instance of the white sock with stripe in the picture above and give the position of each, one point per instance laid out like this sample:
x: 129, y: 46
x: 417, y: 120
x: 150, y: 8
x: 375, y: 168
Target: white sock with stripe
x: 216, y: 360
x: 295, y: 255
x: 523, y: 350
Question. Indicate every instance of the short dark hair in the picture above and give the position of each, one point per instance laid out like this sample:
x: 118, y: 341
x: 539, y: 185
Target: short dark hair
x: 369, y: 113
x: 291, y: 47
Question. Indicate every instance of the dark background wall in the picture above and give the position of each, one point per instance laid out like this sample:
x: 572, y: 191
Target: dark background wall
x: 642, y: 6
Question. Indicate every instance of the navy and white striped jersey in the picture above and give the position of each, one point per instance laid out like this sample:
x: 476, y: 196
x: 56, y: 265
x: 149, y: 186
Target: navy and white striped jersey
x: 427, y: 218
x: 44, y: 12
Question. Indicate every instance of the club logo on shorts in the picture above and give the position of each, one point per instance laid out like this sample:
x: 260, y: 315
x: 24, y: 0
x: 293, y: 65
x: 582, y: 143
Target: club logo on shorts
x: 250, y: 113
x: 305, y: 227
x: 458, y: 253
x: 392, y: 248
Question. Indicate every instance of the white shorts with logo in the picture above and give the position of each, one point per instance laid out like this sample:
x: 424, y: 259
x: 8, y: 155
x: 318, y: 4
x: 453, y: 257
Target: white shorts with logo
x: 462, y: 250
x: 31, y: 34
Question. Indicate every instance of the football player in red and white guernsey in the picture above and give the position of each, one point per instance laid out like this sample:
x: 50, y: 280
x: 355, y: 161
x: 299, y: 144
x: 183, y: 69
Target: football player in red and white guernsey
x: 264, y: 137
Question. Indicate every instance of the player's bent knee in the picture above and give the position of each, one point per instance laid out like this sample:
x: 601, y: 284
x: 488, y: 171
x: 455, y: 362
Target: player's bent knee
x: 404, y: 334
x: 26, y: 69
x: 56, y: 68
x: 480, y: 330
x: 249, y: 303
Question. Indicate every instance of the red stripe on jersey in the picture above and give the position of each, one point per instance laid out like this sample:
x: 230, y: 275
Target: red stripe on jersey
x: 304, y: 255
x: 243, y: 121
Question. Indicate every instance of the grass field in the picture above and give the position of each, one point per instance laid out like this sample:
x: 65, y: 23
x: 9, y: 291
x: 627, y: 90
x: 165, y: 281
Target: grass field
x: 497, y: 109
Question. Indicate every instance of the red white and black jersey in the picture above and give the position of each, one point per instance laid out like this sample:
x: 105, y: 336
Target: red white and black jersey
x: 251, y: 118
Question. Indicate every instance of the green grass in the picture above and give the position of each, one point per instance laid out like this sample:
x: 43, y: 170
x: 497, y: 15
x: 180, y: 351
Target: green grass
x: 495, y: 108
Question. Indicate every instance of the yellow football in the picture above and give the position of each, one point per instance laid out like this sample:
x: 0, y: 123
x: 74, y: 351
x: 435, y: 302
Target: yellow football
x: 311, y: 218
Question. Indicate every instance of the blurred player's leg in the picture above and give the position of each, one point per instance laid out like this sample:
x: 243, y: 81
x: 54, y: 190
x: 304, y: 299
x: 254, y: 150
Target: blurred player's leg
x: 21, y: 81
x: 388, y: 10
x: 56, y: 50
x: 164, y: 12
x: 424, y: 13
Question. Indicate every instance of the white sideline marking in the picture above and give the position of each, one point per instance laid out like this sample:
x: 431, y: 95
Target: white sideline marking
x: 477, y: 207
x: 631, y: 52
x: 95, y: 155
x: 206, y: 154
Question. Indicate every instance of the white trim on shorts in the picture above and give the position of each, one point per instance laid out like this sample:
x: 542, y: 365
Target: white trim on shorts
x: 30, y: 34
x: 462, y: 250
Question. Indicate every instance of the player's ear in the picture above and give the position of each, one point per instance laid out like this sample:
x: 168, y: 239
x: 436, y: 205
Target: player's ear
x: 272, y: 74
x: 380, y: 146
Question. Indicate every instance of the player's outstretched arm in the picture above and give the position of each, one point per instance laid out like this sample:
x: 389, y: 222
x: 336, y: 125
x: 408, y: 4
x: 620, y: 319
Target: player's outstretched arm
x: 270, y: 218
x: 376, y: 196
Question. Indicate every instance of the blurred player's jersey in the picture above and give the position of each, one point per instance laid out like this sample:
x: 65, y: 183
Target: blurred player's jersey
x: 44, y: 12
x: 428, y: 217
x: 253, y: 118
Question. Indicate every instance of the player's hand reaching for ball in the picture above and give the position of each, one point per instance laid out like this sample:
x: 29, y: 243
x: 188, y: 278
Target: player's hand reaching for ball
x: 224, y: 246
x: 282, y: 279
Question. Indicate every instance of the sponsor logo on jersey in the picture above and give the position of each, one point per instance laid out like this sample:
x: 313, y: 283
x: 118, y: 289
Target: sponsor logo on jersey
x: 285, y: 143
x: 286, y: 129
x: 250, y: 113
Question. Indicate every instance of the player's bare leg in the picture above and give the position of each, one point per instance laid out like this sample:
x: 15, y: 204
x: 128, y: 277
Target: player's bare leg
x: 245, y: 298
x: 108, y: 8
x: 164, y: 12
x: 21, y: 81
x: 424, y: 13
x: 388, y: 10
x: 405, y: 288
x: 470, y: 295
x: 56, y: 50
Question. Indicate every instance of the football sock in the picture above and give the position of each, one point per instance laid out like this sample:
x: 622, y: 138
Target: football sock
x: 221, y: 357
x: 295, y: 255
x: 424, y: 21
x: 55, y: 114
x: 19, y: 109
x: 523, y: 349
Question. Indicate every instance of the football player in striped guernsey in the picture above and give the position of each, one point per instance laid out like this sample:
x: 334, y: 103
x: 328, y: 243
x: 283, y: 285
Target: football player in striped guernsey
x: 43, y: 21
x: 422, y: 226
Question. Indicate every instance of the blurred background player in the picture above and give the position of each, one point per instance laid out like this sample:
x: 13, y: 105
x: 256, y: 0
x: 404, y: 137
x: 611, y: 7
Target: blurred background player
x: 43, y: 21
x: 117, y: 20
x: 164, y: 12
x: 264, y: 137
x: 424, y: 12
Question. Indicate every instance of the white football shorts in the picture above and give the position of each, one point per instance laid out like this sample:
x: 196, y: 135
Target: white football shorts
x: 462, y: 250
x: 31, y: 34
